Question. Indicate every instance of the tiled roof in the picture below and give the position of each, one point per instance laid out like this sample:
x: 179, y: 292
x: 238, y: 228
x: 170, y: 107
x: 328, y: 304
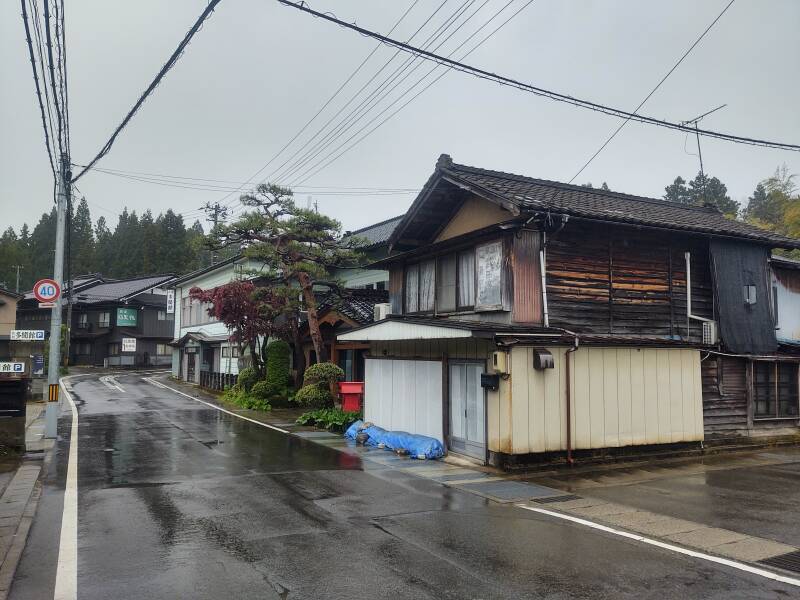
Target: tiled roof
x: 117, y: 290
x: 378, y: 233
x: 357, y: 304
x: 531, y: 195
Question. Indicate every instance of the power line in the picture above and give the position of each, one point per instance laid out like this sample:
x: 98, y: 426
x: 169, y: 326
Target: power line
x: 389, y: 84
x: 51, y: 67
x: 317, y: 168
x: 357, y: 93
x: 153, y: 84
x: 384, y: 90
x: 323, y: 107
x: 38, y: 89
x: 653, y: 91
x: 538, y: 91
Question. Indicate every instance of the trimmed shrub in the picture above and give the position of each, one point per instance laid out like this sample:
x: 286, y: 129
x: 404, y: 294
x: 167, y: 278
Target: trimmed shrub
x: 325, y: 373
x: 278, y: 374
x: 314, y: 396
x: 247, y: 378
x: 236, y: 395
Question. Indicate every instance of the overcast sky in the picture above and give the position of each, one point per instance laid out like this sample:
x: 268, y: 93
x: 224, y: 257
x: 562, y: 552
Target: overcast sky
x: 257, y: 71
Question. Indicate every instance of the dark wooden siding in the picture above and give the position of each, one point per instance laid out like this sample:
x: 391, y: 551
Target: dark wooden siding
x: 527, y: 279
x: 619, y: 280
x: 724, y: 396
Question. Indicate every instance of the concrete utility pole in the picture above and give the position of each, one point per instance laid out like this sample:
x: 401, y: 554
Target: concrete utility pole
x: 62, y: 193
x: 17, y: 267
x: 216, y: 211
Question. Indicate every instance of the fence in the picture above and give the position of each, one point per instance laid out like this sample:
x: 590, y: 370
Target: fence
x: 217, y: 381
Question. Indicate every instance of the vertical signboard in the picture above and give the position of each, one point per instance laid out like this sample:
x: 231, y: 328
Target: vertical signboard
x: 170, y: 301
x: 129, y: 344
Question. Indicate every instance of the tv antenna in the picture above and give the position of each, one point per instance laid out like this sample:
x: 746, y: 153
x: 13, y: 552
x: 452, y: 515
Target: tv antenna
x: 694, y: 122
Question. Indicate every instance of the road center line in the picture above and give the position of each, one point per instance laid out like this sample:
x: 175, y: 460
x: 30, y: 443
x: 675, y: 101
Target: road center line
x: 219, y: 408
x: 66, y: 587
x: 694, y: 553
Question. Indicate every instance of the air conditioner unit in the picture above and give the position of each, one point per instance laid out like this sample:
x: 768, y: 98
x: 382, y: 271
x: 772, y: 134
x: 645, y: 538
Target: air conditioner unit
x: 710, y: 333
x: 382, y: 310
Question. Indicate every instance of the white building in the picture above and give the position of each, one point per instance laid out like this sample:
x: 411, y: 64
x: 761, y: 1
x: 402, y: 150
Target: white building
x: 200, y: 342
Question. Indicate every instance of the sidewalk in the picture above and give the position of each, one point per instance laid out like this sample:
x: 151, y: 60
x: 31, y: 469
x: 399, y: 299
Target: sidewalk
x: 20, y: 498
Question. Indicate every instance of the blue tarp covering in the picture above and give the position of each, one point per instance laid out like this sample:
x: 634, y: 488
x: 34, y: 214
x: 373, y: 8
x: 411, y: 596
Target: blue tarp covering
x: 418, y: 446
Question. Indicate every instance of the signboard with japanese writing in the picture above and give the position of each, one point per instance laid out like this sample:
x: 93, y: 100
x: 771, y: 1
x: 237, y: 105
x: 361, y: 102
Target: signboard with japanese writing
x: 170, y: 301
x: 12, y: 367
x: 129, y: 344
x: 27, y: 335
x: 126, y: 317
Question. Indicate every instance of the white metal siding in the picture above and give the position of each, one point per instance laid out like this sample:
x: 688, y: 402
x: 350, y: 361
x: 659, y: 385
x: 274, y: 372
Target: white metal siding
x: 404, y: 395
x: 620, y: 397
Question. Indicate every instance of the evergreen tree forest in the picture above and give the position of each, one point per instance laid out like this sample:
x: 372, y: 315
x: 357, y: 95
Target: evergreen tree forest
x: 136, y: 245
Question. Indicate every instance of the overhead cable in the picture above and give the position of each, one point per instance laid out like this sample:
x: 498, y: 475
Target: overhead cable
x: 153, y: 84
x: 538, y: 91
x: 653, y: 91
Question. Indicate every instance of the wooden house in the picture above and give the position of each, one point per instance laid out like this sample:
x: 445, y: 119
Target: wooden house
x: 531, y: 318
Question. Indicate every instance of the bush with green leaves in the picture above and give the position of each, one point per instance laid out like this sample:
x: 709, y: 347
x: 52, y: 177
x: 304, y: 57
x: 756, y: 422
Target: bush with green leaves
x: 314, y: 396
x: 247, y: 378
x: 238, y: 396
x: 332, y: 419
x: 326, y: 373
x: 278, y: 374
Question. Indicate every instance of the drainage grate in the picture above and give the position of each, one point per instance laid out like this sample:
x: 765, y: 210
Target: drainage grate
x: 551, y: 499
x: 787, y: 562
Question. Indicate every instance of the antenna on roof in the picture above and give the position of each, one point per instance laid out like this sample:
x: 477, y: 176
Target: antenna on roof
x: 694, y: 122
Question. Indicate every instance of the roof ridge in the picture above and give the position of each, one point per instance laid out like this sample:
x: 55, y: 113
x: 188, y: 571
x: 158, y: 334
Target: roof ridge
x: 378, y: 224
x: 577, y: 188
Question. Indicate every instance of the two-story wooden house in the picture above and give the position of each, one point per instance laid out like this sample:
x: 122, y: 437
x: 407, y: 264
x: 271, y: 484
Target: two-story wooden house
x: 534, y: 318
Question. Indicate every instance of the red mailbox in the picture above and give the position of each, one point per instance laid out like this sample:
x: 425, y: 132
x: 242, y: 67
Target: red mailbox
x: 352, y: 393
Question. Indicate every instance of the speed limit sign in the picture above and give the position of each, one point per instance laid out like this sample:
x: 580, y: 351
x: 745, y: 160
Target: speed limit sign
x: 47, y: 290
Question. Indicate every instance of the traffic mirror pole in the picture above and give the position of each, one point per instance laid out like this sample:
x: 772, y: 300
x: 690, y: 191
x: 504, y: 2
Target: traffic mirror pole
x: 54, y: 364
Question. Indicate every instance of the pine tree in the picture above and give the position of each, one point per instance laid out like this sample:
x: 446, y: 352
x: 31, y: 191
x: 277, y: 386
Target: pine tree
x: 710, y: 190
x: 103, y: 247
x: 43, y: 245
x: 677, y: 191
x: 82, y: 240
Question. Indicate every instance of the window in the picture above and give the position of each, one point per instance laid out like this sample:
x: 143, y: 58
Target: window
x: 466, y: 279
x: 162, y: 350
x: 83, y: 321
x: 381, y: 285
x: 104, y: 320
x: 226, y: 352
x: 489, y: 263
x: 234, y: 351
x: 114, y: 349
x: 369, y: 286
x: 163, y: 315
x: 420, y: 288
x: 412, y: 288
x: 83, y: 348
x: 186, y: 311
x: 775, y: 390
x: 446, y: 284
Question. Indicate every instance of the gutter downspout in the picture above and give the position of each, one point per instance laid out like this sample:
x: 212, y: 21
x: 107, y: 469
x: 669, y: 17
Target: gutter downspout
x: 568, y: 369
x: 543, y: 273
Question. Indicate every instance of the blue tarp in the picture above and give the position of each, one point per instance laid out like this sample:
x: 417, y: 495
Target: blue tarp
x: 418, y: 446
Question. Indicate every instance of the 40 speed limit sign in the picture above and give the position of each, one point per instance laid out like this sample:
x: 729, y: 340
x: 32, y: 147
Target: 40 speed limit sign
x: 47, y: 291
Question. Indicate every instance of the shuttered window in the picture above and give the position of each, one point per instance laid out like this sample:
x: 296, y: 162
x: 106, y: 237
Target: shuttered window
x: 489, y: 262
x: 775, y: 390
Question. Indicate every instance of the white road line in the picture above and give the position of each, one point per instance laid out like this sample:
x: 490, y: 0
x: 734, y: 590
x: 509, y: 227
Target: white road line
x: 67, y: 570
x: 219, y: 408
x: 154, y: 382
x: 110, y: 382
x: 709, y: 557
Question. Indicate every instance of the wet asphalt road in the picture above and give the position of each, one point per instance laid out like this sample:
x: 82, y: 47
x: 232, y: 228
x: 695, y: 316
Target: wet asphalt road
x: 178, y: 500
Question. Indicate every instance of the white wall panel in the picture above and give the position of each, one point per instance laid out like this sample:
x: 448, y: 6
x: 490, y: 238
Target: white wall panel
x: 404, y: 395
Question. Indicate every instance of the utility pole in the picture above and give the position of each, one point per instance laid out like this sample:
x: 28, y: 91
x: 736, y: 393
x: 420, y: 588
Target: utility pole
x: 54, y: 363
x: 17, y: 267
x: 215, y: 212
